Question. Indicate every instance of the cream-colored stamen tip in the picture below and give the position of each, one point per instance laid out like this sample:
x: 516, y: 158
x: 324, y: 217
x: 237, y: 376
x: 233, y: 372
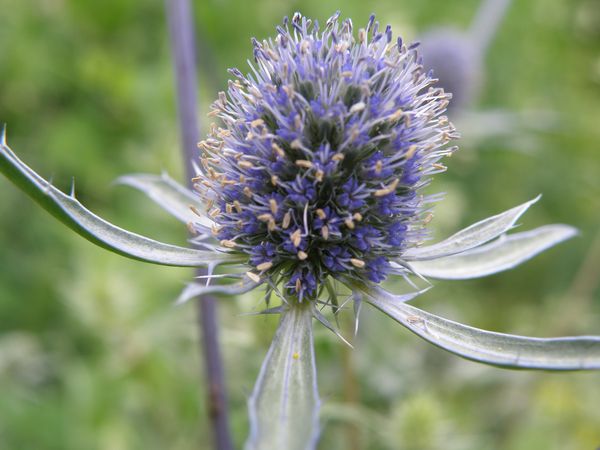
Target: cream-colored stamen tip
x: 357, y: 263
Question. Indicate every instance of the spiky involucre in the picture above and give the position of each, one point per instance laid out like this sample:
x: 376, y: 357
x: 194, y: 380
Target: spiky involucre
x: 325, y: 145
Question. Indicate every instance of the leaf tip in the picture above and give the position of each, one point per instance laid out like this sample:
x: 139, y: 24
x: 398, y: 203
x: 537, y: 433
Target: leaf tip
x: 569, y: 231
x: 3, y: 136
x: 525, y: 206
x: 125, y: 180
x: 185, y: 295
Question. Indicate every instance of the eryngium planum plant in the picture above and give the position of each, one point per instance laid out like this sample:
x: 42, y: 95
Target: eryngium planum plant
x: 311, y: 187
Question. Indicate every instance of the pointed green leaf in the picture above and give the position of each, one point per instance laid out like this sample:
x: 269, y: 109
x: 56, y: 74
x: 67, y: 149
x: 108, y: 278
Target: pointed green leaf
x: 472, y: 236
x: 498, y: 349
x: 69, y: 211
x: 502, y: 254
x: 284, y: 405
x: 171, y: 196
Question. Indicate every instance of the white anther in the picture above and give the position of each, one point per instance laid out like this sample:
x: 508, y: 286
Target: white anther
x: 357, y: 263
x: 254, y: 277
x: 357, y: 107
x: 264, y: 266
x: 296, y: 238
x: 228, y: 243
x: 388, y: 189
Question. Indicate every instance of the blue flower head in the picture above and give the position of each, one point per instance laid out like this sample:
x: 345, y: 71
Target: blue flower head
x: 321, y: 153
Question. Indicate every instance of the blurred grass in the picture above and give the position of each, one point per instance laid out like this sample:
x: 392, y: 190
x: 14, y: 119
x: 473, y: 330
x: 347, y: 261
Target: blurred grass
x: 93, y: 355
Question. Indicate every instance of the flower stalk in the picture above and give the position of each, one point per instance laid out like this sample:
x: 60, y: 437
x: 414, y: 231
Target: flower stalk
x: 181, y: 30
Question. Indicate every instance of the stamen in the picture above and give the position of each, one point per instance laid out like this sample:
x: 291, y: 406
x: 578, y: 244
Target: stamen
x: 227, y: 243
x: 349, y: 222
x: 196, y: 211
x: 264, y: 266
x: 388, y: 189
x: 273, y: 205
x: 395, y: 116
x: 191, y: 228
x: 302, y: 255
x: 296, y: 238
x: 362, y: 35
x: 325, y: 232
x: 287, y: 218
x: 265, y: 217
x: 357, y: 263
x: 245, y: 164
x: 277, y: 149
x: 357, y: 107
x: 410, y: 152
x: 320, y: 214
x: 254, y: 277
x: 304, y: 163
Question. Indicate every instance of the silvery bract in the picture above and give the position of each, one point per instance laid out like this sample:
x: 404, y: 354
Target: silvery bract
x: 312, y: 184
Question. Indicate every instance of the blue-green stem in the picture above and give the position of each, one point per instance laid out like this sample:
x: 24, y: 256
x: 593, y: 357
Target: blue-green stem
x: 181, y: 29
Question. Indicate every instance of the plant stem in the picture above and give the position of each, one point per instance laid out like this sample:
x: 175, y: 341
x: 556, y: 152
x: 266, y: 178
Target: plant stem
x: 486, y: 23
x: 350, y: 390
x: 181, y: 30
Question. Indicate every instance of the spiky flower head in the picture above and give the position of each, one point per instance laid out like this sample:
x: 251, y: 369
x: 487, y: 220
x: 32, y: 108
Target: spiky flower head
x: 323, y: 149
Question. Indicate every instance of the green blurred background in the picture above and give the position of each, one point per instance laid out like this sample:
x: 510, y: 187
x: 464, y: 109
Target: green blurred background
x: 94, y: 356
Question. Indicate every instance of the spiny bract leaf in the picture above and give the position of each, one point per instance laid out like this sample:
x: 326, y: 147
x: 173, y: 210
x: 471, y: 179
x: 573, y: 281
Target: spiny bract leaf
x: 69, y: 211
x: 498, y: 349
x: 170, y: 195
x: 502, y: 254
x: 284, y: 405
x: 472, y: 236
x: 196, y: 289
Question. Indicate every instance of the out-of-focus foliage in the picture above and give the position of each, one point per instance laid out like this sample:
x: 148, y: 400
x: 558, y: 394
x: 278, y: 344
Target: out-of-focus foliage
x: 92, y: 353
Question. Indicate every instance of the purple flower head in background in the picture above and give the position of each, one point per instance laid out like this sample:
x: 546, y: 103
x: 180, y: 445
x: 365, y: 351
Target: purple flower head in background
x: 322, y: 153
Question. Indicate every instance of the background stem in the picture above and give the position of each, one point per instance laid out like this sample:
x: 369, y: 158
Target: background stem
x: 486, y: 23
x: 181, y: 30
